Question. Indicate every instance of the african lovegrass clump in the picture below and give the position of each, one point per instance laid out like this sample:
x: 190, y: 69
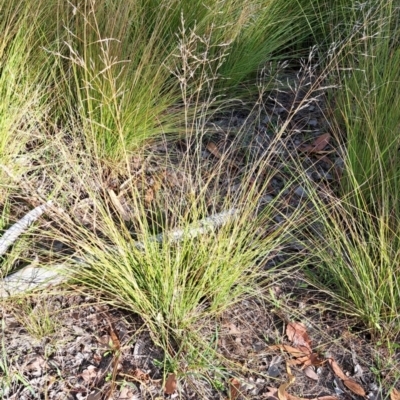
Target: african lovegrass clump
x: 359, y: 248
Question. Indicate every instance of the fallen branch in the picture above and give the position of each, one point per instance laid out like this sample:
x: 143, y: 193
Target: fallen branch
x: 13, y: 233
x: 208, y: 224
x: 33, y: 277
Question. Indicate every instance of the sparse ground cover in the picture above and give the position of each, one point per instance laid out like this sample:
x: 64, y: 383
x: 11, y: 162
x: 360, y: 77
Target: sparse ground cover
x: 224, y: 214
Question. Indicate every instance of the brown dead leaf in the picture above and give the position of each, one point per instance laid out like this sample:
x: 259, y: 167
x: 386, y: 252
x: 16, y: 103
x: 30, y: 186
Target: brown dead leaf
x: 213, y: 149
x: 304, y: 349
x: 354, y: 387
x: 289, y: 349
x: 170, y: 384
x: 140, y: 375
x: 273, y: 393
x: 89, y: 374
x: 114, y: 343
x: 295, y: 361
x: 291, y: 397
x: 394, y: 394
x: 310, y: 372
x: 297, y: 333
x: 321, y: 142
x: 282, y: 395
x: 337, y: 370
x: 308, y: 360
x: 314, y: 360
x: 318, y: 145
x: 234, y: 388
x: 349, y: 383
x: 303, y: 360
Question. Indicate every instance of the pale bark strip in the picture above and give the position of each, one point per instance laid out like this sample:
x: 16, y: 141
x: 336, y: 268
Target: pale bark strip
x: 33, y: 277
x: 208, y: 224
x: 12, y: 234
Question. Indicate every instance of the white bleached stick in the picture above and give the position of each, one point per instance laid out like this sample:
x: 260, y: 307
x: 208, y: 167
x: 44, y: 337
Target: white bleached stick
x: 33, y: 277
x: 12, y: 234
x: 201, y: 227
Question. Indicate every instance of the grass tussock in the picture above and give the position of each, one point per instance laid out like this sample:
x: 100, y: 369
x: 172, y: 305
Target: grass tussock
x: 118, y: 62
x: 23, y: 82
x: 175, y: 279
x: 359, y: 243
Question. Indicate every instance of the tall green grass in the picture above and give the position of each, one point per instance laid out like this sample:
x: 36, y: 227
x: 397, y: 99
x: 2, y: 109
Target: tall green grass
x: 174, y: 285
x: 119, y: 60
x: 25, y: 97
x: 23, y: 78
x: 368, y: 109
x: 359, y: 244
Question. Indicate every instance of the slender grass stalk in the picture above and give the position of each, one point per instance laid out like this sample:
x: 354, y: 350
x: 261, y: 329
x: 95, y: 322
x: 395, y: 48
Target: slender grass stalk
x: 24, y: 95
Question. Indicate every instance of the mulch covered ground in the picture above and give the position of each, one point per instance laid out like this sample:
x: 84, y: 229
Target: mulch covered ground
x: 89, y: 351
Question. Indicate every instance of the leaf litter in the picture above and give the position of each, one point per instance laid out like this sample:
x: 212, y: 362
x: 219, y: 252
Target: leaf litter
x: 83, y: 364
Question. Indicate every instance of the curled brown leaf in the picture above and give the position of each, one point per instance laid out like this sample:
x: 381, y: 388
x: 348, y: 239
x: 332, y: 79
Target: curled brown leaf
x: 349, y: 383
x: 297, y: 333
x: 234, y: 389
x: 282, y: 395
x: 170, y: 384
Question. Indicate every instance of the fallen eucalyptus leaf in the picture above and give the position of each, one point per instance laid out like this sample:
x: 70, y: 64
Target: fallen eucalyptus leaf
x: 234, y: 388
x: 170, y: 384
x: 394, y: 394
x: 282, y: 395
x: 297, y: 333
x: 310, y: 372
